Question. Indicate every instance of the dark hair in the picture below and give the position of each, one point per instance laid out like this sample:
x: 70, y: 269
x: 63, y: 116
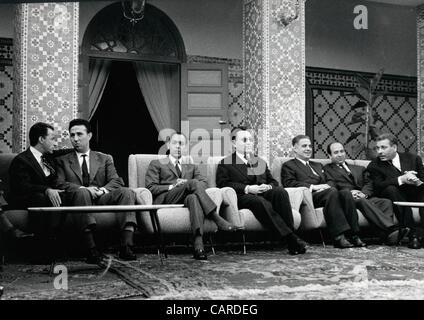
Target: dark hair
x: 298, y: 138
x: 80, y: 122
x: 329, y: 146
x: 38, y: 130
x: 177, y: 133
x: 393, y: 140
x: 237, y: 129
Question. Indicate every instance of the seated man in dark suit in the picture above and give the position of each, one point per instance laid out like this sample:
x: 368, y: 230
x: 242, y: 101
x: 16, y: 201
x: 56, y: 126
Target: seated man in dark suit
x: 378, y: 211
x: 339, y: 206
x: 398, y: 177
x: 32, y: 179
x: 171, y: 181
x: 257, y: 190
x: 90, y: 178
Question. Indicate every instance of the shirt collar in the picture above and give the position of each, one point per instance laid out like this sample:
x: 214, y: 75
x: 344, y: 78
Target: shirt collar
x: 174, y: 160
x: 79, y: 154
x: 303, y: 161
x: 37, y: 154
x: 242, y: 157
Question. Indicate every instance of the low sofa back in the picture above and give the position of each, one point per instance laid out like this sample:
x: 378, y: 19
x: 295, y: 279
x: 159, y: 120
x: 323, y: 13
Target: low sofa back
x: 279, y: 161
x: 5, y: 161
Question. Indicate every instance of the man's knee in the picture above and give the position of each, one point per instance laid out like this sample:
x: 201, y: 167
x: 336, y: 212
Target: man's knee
x: 81, y: 194
x: 190, y: 198
x: 127, y: 193
x: 194, y: 184
x: 392, y: 192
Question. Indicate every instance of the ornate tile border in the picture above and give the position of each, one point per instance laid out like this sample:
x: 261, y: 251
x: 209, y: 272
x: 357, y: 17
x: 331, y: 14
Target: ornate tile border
x: 420, y: 79
x: 47, y: 67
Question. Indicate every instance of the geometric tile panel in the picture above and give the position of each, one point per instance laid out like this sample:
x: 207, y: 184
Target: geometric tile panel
x: 49, y: 66
x: 420, y: 79
x: 235, y: 86
x: 286, y: 60
x: 332, y: 113
x: 6, y: 94
x: 253, y: 63
x: 274, y: 78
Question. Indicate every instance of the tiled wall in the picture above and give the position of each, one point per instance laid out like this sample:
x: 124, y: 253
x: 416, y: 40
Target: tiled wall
x: 420, y: 78
x: 46, y: 68
x: 6, y: 94
x: 332, y: 101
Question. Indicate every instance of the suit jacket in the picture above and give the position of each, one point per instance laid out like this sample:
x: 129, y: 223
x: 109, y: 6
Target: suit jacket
x: 384, y: 174
x: 26, y: 177
x: 339, y: 178
x: 162, y: 173
x: 233, y: 172
x: 101, y: 167
x: 295, y: 174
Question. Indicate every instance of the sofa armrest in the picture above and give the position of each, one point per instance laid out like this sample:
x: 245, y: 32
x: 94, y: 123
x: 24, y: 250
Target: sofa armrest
x: 216, y: 196
x: 307, y: 211
x: 230, y: 211
x: 143, y: 196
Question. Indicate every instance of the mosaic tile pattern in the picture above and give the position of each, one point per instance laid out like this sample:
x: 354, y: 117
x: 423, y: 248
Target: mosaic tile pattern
x: 48, y: 66
x: 286, y: 78
x: 274, y: 61
x: 235, y: 86
x: 6, y: 94
x: 420, y: 79
x: 253, y: 67
x: 332, y: 110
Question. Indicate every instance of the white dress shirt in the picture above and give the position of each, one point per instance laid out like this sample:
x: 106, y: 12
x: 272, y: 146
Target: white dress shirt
x: 396, y: 164
x: 37, y: 154
x: 81, y: 159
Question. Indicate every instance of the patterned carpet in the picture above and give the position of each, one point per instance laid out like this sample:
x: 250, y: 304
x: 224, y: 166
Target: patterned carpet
x: 376, y: 272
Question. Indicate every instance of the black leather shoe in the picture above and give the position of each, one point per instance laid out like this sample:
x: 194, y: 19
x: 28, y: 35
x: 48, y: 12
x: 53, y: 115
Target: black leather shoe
x: 296, y: 246
x: 357, y: 242
x: 126, y: 253
x: 414, y: 242
x: 200, y: 254
x: 396, y: 237
x: 94, y: 256
x: 342, y: 243
x: 16, y: 234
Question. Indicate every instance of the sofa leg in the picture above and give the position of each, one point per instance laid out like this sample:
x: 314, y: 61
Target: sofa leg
x: 243, y: 237
x: 322, y: 238
x: 211, y: 242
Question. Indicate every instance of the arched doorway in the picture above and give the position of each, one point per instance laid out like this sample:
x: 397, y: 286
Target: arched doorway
x: 131, y: 81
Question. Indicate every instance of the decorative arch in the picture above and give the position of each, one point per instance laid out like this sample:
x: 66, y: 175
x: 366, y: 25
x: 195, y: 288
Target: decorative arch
x: 111, y: 36
x: 155, y: 37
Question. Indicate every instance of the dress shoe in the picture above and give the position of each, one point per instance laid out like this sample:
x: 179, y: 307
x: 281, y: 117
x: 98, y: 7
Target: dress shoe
x: 200, y: 254
x: 357, y: 242
x: 94, y: 256
x: 16, y: 233
x: 126, y: 253
x: 414, y: 242
x: 342, y: 243
x: 296, y: 245
x: 396, y: 237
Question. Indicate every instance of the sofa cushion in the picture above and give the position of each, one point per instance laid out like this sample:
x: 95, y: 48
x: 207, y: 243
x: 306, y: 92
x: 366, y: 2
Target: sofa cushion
x: 5, y: 161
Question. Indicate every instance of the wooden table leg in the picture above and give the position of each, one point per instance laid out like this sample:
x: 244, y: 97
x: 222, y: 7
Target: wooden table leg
x: 162, y: 243
x: 156, y: 231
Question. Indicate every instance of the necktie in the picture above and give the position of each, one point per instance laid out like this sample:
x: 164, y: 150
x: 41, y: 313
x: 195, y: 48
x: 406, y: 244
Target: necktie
x: 348, y: 172
x: 85, y: 175
x: 391, y: 163
x: 312, y: 170
x: 48, y: 166
x: 177, y: 167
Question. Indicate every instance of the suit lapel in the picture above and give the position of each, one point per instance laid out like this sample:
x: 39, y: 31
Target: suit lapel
x: 240, y: 165
x: 172, y: 168
x: 94, y: 165
x: 404, y: 165
x: 30, y: 157
x: 74, y: 165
